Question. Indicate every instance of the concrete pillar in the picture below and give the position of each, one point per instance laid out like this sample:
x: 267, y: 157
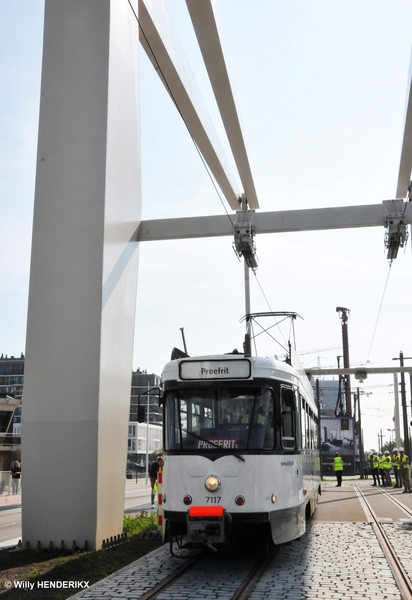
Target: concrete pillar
x: 83, y: 277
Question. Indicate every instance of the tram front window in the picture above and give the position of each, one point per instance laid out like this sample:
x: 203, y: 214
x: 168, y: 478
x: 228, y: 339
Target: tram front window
x: 229, y: 419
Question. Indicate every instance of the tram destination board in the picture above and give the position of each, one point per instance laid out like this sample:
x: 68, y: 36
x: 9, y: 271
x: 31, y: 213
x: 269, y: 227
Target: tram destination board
x: 215, y: 369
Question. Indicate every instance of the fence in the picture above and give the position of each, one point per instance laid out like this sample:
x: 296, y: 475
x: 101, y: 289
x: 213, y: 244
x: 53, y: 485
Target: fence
x: 5, y: 483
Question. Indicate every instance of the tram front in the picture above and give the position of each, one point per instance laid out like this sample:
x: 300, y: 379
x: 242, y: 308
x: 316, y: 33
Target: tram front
x: 227, y: 422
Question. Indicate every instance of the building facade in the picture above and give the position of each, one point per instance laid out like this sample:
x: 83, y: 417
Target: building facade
x: 331, y: 397
x: 11, y: 384
x: 142, y: 382
x: 143, y: 438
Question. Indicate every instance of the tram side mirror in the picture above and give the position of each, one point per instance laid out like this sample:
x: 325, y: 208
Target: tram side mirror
x: 141, y: 409
x: 141, y: 414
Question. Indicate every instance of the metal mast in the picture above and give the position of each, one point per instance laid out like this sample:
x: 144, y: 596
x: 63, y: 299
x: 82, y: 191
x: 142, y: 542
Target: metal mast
x: 244, y: 245
x: 344, y: 316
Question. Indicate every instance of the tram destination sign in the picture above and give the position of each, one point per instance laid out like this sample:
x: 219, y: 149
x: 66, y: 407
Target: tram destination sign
x: 215, y: 369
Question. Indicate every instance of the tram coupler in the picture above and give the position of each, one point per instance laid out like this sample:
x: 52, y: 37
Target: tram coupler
x: 206, y: 524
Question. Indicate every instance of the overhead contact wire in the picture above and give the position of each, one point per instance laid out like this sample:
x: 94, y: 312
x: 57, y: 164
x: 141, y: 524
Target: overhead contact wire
x: 379, y: 312
x: 183, y: 119
x: 267, y: 302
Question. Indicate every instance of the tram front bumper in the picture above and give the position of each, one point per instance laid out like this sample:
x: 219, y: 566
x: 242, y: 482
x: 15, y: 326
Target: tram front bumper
x: 206, y: 524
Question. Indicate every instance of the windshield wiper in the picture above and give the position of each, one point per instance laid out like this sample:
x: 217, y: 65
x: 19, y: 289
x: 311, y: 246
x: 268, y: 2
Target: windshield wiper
x: 199, y: 437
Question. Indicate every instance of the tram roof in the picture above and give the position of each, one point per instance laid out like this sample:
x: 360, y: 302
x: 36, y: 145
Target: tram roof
x: 217, y: 366
x: 235, y: 367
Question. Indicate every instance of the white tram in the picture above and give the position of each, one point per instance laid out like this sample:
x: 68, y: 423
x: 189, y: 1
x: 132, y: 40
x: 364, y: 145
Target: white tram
x: 240, y: 449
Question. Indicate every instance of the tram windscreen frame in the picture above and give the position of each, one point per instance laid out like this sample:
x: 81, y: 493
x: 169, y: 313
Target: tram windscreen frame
x: 228, y: 419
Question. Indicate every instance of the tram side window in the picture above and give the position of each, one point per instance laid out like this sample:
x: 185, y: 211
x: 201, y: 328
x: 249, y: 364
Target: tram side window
x: 288, y: 419
x: 303, y: 425
x: 172, y: 429
x: 299, y: 431
x: 183, y: 417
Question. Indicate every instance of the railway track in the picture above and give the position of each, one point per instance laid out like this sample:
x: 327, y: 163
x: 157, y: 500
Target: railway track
x: 395, y: 500
x: 401, y: 577
x: 237, y: 578
x: 346, y: 556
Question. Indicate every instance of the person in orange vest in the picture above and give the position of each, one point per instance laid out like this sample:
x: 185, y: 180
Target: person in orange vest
x: 338, y: 468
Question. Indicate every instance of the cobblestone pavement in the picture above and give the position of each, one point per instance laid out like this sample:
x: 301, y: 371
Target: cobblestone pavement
x: 341, y: 560
x: 400, y: 537
x: 332, y: 561
x: 136, y: 579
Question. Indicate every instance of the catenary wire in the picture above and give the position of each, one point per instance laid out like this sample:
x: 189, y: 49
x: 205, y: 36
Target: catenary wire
x: 379, y: 312
x: 180, y: 113
x: 198, y: 151
x: 267, y: 302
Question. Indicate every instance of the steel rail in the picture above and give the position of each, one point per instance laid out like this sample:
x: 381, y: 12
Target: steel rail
x: 244, y: 590
x: 402, y: 506
x: 402, y: 579
x: 167, y: 581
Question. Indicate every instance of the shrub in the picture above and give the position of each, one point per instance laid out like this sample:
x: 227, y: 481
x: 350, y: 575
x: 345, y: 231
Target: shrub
x: 133, y: 525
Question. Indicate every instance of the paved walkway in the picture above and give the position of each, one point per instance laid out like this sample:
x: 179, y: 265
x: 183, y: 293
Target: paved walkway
x: 134, y: 491
x: 10, y: 501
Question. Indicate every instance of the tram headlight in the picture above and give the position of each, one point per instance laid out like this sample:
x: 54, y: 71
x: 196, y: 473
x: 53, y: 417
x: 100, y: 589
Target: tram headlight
x: 212, y: 483
x: 273, y: 498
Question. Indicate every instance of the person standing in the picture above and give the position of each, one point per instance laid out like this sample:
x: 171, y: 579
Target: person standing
x: 404, y: 470
x: 338, y: 468
x: 374, y: 468
x: 395, y: 465
x: 381, y: 471
x: 387, y: 466
x: 15, y: 477
x: 154, y: 468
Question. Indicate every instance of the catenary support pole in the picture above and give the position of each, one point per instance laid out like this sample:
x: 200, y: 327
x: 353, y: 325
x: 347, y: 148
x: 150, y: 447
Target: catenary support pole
x: 396, y: 411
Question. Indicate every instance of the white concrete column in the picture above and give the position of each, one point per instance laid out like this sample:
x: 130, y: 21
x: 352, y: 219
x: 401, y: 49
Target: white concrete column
x: 83, y: 277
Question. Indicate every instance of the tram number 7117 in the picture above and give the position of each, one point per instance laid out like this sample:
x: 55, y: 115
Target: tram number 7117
x: 213, y: 499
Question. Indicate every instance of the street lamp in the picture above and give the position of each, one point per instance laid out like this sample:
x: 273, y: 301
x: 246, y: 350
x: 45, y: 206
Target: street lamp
x: 391, y: 431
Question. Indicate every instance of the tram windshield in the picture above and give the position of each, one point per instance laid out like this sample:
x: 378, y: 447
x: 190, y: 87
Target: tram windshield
x: 224, y: 419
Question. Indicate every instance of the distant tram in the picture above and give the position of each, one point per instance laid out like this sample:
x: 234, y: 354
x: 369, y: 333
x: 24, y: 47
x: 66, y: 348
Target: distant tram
x: 241, y: 450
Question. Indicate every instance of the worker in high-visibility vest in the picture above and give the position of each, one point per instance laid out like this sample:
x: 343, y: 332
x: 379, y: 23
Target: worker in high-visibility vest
x: 396, y: 471
x: 258, y: 417
x: 338, y: 468
x: 404, y: 470
x: 381, y: 471
x: 373, y: 461
x: 387, y: 466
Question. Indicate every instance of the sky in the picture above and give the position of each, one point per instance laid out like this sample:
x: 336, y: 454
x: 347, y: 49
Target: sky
x: 320, y: 88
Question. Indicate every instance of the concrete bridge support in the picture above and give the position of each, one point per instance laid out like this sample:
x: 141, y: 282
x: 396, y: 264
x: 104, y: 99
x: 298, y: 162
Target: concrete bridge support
x: 83, y: 277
